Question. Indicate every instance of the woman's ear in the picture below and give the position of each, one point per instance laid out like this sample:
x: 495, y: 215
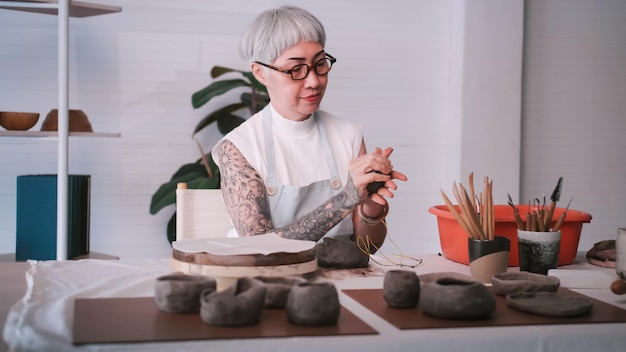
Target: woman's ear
x: 259, y: 72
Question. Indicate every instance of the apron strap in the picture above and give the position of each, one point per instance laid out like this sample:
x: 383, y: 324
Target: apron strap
x: 270, y: 156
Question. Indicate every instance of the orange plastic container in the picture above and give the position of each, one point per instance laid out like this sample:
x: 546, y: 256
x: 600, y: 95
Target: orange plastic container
x: 453, y: 238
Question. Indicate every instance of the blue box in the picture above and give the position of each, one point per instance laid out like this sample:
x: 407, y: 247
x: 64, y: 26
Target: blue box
x: 36, y: 228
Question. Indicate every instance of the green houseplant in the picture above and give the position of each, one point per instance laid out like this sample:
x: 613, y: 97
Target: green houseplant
x: 203, y: 173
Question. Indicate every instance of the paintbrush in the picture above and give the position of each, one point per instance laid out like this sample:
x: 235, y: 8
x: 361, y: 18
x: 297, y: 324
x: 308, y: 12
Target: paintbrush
x: 555, y: 197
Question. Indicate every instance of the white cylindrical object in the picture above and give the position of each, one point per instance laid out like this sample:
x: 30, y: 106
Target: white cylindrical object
x: 63, y: 131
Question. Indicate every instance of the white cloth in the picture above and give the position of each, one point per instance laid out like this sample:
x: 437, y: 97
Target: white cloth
x: 43, y: 319
x: 265, y: 244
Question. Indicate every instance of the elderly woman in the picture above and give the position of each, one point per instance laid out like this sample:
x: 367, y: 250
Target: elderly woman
x: 300, y: 172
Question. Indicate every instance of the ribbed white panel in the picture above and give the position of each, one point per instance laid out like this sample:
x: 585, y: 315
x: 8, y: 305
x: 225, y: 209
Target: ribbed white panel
x: 201, y: 213
x: 574, y: 116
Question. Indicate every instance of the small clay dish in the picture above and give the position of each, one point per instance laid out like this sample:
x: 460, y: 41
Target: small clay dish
x: 180, y: 293
x: 552, y: 304
x: 513, y: 282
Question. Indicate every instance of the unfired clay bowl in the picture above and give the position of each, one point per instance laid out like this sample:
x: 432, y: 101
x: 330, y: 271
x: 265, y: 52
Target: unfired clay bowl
x: 313, y: 304
x: 401, y: 289
x: 449, y: 298
x: 238, y: 305
x: 278, y: 288
x: 180, y: 293
x: 514, y: 282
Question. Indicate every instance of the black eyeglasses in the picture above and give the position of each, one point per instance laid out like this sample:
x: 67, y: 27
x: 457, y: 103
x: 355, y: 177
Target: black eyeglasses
x: 301, y: 71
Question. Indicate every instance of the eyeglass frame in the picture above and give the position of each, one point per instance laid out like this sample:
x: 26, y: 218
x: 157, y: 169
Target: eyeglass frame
x: 308, y: 67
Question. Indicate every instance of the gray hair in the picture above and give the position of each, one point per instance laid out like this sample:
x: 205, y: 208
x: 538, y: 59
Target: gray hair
x: 276, y: 30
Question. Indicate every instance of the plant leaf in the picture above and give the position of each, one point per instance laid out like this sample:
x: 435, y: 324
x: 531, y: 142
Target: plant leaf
x: 217, y: 71
x: 214, y: 89
x: 204, y: 183
x: 212, y: 164
x: 254, y: 82
x: 228, y: 123
x: 261, y: 101
x: 217, y: 115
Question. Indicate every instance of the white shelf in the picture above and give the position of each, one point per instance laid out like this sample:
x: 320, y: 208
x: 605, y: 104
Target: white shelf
x: 50, y: 7
x: 64, y: 9
x: 41, y: 134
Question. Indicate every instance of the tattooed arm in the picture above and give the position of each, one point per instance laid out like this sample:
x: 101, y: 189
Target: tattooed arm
x: 246, y: 200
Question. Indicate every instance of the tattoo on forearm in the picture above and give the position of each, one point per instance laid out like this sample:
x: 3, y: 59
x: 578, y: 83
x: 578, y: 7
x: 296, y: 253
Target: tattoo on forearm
x: 244, y: 192
x: 317, y: 223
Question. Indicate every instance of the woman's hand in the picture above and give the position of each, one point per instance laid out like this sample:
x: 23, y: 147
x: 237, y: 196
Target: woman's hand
x: 375, y: 167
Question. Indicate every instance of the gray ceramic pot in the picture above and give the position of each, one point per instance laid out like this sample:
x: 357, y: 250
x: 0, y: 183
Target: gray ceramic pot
x: 449, y: 298
x: 180, y: 293
x: 336, y: 254
x: 313, y: 304
x: 401, y: 289
x: 238, y: 305
x: 278, y: 288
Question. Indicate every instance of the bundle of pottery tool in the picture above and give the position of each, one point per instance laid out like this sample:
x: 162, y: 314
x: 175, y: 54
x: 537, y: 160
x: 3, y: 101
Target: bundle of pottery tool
x: 475, y: 213
x: 539, y: 215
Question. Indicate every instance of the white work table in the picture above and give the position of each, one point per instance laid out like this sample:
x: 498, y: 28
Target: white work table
x: 42, y: 319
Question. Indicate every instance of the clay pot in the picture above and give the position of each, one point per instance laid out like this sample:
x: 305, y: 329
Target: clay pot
x: 277, y: 289
x: 449, y: 298
x: 401, y: 289
x: 313, y: 304
x: 77, y: 121
x: 336, y: 254
x: 180, y: 293
x: 238, y: 305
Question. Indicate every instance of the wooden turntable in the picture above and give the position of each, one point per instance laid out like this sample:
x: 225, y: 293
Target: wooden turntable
x: 227, y: 259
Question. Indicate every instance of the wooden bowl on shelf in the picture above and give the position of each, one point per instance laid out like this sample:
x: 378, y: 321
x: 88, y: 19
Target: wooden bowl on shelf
x: 18, y: 121
x: 78, y: 121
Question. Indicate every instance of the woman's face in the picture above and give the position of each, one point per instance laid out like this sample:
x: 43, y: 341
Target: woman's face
x: 294, y: 100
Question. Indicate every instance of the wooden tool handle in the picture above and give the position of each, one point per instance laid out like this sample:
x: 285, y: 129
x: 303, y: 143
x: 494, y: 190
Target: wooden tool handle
x: 559, y: 222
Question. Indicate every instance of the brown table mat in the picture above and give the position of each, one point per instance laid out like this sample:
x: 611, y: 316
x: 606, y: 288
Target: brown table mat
x: 373, y: 300
x: 115, y: 320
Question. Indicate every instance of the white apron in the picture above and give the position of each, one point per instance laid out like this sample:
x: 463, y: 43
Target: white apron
x: 289, y: 203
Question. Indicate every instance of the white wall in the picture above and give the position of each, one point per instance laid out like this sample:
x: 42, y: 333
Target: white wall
x: 410, y: 73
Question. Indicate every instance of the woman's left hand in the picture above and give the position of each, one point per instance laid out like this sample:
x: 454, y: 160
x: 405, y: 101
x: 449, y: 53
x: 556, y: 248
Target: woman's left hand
x: 362, y: 173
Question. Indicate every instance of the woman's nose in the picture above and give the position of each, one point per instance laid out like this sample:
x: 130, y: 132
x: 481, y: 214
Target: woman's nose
x: 312, y: 80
